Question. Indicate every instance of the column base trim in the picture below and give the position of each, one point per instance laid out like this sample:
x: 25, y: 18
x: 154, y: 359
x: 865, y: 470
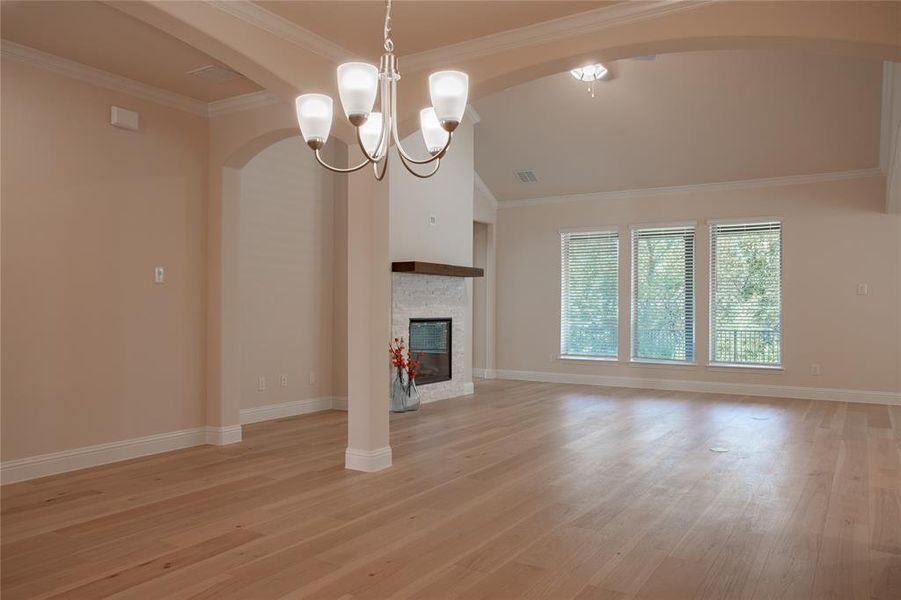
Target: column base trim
x: 222, y: 436
x: 368, y: 461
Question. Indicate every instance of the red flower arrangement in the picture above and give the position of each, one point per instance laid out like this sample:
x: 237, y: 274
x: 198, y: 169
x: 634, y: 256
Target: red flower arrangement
x: 403, y: 360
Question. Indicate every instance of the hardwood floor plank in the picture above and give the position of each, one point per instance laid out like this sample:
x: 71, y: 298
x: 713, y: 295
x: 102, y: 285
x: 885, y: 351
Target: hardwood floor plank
x: 523, y: 490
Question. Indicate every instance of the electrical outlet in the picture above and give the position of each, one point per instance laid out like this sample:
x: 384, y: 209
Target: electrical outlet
x: 863, y: 289
x: 261, y: 383
x: 283, y: 381
x: 312, y: 377
x: 433, y: 219
x: 815, y: 369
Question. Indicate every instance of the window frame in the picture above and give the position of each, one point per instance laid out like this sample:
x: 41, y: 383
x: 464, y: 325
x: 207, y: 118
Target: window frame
x: 693, y: 225
x: 561, y: 355
x: 711, y: 363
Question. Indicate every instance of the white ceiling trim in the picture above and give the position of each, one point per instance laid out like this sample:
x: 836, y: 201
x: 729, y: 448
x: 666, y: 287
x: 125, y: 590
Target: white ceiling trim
x: 70, y: 68
x: 484, y: 189
x: 76, y: 70
x: 530, y: 35
x: 746, y: 184
x: 549, y: 31
x: 282, y: 28
x: 241, y: 103
x: 471, y: 115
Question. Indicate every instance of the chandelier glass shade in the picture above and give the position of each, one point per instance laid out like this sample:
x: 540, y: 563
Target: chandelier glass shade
x: 359, y: 84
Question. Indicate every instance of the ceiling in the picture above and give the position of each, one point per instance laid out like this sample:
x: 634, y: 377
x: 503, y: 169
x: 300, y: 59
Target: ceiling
x: 418, y: 25
x: 682, y: 119
x: 102, y: 37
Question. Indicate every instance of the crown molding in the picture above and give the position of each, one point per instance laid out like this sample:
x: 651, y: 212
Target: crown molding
x: 241, y: 103
x: 530, y: 35
x: 471, y: 115
x: 483, y: 187
x: 745, y: 184
x: 549, y: 31
x: 283, y: 29
x: 70, y: 68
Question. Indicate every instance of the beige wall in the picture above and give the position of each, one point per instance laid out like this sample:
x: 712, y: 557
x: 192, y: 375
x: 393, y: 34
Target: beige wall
x: 479, y: 295
x: 836, y: 235
x: 95, y: 351
x: 286, y: 255
x: 339, y: 343
x: 448, y: 196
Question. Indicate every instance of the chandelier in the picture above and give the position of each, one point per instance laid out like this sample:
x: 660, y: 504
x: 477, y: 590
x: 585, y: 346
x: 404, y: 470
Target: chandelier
x: 358, y: 85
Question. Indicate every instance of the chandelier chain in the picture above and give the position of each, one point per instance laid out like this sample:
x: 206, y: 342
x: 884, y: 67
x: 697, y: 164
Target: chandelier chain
x: 389, y: 44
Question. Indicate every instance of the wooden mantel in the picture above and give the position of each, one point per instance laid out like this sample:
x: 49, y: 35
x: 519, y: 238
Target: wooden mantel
x: 426, y: 268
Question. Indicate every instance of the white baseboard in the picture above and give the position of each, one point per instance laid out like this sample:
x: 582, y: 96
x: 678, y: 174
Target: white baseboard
x: 469, y: 389
x: 42, y: 465
x: 369, y: 461
x: 709, y: 387
x: 285, y: 409
x: 484, y: 373
x: 32, y: 467
x: 339, y: 403
x: 222, y: 436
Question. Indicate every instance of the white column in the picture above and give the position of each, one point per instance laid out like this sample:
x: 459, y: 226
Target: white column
x: 368, y: 323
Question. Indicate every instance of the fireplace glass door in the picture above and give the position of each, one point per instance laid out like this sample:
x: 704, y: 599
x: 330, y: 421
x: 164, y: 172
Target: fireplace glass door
x: 431, y: 340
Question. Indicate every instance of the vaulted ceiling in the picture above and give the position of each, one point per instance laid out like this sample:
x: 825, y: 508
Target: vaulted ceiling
x: 682, y: 119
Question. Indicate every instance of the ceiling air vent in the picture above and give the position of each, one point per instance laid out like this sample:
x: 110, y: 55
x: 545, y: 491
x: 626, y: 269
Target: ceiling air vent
x: 526, y: 176
x: 215, y: 73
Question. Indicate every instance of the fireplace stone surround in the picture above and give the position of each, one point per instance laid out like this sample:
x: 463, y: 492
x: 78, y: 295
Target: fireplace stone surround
x: 416, y: 296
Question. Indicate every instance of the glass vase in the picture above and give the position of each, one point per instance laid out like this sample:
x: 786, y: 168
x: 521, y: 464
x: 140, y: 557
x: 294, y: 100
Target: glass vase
x: 404, y: 395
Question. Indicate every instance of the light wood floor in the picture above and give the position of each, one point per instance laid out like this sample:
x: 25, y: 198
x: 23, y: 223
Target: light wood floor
x: 522, y: 491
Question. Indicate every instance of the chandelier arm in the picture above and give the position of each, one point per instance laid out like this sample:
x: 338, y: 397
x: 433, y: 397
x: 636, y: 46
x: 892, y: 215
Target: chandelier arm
x: 379, y: 151
x: 431, y: 159
x: 437, y: 160
x: 375, y: 169
x: 338, y: 169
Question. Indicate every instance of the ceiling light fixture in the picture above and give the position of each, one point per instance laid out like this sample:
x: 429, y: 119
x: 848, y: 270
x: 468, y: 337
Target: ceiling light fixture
x: 590, y: 74
x: 358, y: 85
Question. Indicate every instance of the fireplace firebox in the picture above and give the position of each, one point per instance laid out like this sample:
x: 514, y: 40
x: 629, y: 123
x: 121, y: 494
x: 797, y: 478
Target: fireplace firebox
x: 431, y: 340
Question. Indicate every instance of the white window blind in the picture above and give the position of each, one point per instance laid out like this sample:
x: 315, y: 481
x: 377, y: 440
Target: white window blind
x: 663, y: 293
x: 588, y: 293
x: 746, y: 294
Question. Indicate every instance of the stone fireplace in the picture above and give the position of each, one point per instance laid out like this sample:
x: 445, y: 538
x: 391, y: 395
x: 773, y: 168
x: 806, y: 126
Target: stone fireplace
x: 434, y: 305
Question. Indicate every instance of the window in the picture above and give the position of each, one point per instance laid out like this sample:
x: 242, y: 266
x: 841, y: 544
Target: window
x: 663, y: 294
x: 588, y: 293
x: 746, y: 294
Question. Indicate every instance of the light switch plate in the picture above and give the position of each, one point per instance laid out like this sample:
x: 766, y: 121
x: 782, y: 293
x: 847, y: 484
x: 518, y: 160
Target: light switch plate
x: 159, y: 275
